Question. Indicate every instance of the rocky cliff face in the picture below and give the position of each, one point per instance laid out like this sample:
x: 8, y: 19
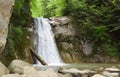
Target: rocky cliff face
x: 64, y: 35
x: 72, y: 48
x: 5, y: 13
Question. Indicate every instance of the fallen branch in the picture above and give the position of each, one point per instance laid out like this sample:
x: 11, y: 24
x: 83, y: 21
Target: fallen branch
x: 38, y: 57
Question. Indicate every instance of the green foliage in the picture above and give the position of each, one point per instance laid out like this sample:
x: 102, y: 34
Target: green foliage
x: 95, y: 20
x: 60, y: 6
x: 21, y: 13
x: 18, y: 5
x: 47, y: 8
x: 111, y: 50
x: 100, y: 33
x: 37, y: 8
x: 14, y: 38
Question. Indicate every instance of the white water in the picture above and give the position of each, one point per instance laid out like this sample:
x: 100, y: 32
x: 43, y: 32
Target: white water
x: 45, y: 42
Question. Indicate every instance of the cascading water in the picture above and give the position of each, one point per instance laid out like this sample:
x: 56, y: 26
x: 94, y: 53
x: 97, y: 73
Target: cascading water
x: 45, y: 42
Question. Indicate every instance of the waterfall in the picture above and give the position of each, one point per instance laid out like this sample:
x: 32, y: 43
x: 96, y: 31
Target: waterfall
x: 45, y: 42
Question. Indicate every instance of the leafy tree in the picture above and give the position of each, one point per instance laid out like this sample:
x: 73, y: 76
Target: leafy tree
x: 47, y: 8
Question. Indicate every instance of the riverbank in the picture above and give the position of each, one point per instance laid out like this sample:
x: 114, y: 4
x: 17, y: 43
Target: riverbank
x: 18, y: 68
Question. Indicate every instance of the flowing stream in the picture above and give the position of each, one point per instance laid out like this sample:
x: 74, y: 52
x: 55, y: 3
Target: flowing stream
x: 45, y: 42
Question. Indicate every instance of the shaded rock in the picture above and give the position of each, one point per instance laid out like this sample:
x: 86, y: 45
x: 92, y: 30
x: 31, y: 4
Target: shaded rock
x: 114, y: 60
x: 17, y: 66
x: 3, y: 69
x: 66, y: 57
x: 68, y: 53
x: 98, y: 58
x: 76, y: 57
x: 87, y: 47
x: 98, y: 75
x: 107, y: 59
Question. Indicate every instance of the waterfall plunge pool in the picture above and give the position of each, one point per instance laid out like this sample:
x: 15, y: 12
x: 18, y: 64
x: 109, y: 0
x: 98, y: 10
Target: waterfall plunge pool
x: 80, y: 66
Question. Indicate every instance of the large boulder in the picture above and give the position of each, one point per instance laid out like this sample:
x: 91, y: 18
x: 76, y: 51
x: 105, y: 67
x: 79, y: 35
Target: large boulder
x: 5, y: 13
x: 3, y: 69
x: 17, y: 66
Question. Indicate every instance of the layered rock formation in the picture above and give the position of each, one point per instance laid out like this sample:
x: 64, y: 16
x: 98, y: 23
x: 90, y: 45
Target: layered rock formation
x: 72, y: 48
x: 64, y: 35
x: 5, y: 13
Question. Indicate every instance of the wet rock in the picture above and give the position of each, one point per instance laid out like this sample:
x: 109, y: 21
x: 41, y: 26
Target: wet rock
x: 17, y: 66
x: 3, y: 69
